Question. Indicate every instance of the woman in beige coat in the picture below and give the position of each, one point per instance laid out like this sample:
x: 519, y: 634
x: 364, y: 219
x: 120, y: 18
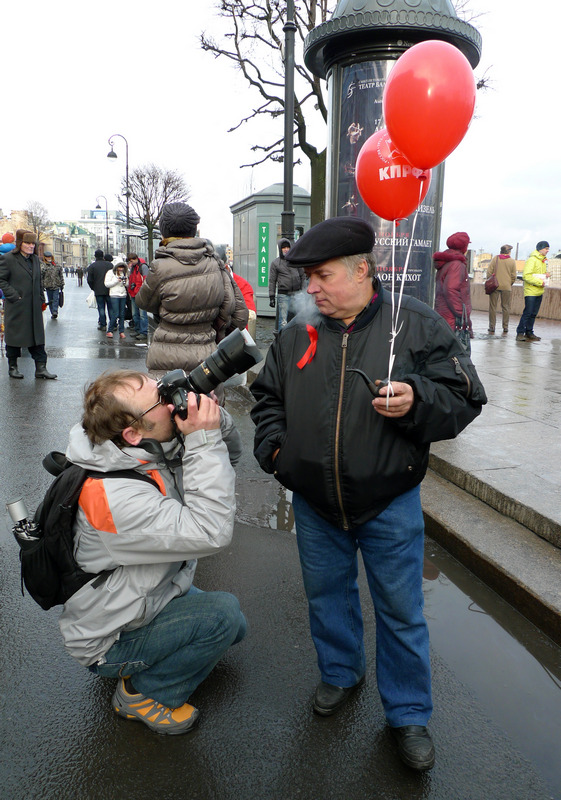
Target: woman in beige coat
x: 190, y: 292
x: 505, y: 269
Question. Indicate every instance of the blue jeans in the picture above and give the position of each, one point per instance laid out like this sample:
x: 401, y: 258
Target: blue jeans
x: 532, y: 305
x: 117, y: 309
x: 285, y: 306
x: 53, y: 296
x: 140, y: 318
x: 392, y: 547
x: 102, y: 301
x: 168, y: 658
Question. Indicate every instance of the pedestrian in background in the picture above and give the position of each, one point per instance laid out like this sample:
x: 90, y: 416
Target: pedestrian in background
x: 116, y: 282
x: 286, y: 282
x: 20, y: 280
x: 504, y: 267
x: 452, y: 296
x: 53, y: 281
x: 96, y: 281
x: 355, y: 465
x: 190, y: 292
x: 535, y: 275
x: 80, y: 275
x: 137, y: 275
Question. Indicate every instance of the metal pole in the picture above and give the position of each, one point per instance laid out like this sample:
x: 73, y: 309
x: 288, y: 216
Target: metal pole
x: 287, y: 216
x: 127, y: 185
x: 106, y: 221
x: 112, y: 154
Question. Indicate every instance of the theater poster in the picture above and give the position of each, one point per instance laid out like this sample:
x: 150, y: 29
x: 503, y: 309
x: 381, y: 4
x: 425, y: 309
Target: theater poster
x: 362, y: 89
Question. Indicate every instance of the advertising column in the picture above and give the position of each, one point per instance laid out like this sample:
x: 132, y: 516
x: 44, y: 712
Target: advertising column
x: 362, y: 87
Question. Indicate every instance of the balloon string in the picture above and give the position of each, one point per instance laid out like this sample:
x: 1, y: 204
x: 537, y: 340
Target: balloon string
x: 395, y: 311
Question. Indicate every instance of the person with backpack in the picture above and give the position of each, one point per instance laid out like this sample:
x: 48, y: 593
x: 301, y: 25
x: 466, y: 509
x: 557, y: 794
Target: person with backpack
x: 141, y: 619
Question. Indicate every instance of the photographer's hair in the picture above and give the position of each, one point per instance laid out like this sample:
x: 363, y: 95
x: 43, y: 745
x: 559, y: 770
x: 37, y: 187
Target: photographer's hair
x: 352, y: 262
x: 131, y: 256
x: 105, y: 415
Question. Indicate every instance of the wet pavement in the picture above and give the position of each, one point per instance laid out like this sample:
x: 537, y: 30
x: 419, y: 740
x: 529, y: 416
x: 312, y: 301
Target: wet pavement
x: 496, y: 677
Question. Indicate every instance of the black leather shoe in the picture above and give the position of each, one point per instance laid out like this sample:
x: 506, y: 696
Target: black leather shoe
x: 328, y: 699
x: 415, y: 746
x: 41, y: 371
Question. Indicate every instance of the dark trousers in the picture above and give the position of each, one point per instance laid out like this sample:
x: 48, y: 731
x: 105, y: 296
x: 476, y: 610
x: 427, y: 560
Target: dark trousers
x: 36, y: 351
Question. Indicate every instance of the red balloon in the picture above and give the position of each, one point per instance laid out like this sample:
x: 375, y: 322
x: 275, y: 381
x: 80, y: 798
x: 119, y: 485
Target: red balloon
x: 429, y: 101
x: 387, y: 182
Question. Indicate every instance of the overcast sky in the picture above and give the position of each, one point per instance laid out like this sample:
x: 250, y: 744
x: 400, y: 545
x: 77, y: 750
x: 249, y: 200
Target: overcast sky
x: 76, y: 74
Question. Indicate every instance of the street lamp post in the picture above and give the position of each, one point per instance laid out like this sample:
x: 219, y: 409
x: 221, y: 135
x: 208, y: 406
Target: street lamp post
x: 106, y: 221
x: 287, y: 216
x: 113, y: 154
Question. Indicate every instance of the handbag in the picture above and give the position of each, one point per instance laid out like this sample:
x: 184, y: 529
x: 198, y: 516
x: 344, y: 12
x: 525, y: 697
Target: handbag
x: 462, y: 332
x: 491, y: 284
x: 91, y: 300
x: 60, y: 298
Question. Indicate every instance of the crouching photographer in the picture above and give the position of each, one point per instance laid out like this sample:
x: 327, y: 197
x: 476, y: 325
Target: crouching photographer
x: 141, y: 619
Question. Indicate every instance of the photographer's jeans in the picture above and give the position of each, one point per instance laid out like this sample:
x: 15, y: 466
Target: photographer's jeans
x: 140, y: 318
x: 392, y: 549
x: 117, y: 310
x: 168, y: 658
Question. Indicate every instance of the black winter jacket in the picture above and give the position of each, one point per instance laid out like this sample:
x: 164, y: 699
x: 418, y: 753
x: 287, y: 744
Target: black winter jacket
x: 282, y: 278
x: 346, y: 460
x: 96, y: 276
x: 20, y: 280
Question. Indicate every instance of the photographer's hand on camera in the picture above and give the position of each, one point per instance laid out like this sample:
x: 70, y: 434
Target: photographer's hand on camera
x: 203, y: 413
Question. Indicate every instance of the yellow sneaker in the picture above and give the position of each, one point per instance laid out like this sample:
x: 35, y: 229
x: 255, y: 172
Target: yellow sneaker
x: 157, y: 717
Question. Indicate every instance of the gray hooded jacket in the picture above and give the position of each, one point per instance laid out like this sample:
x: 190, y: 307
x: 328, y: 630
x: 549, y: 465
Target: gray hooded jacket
x: 149, y: 538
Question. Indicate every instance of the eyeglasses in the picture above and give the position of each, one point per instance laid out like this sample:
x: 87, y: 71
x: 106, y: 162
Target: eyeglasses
x: 161, y: 402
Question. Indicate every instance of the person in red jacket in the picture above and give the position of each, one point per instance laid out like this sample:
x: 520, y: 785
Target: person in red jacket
x: 138, y: 271
x: 452, y: 297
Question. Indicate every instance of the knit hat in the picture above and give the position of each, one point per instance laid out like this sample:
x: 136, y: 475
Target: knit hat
x: 332, y: 238
x: 47, y: 254
x: 178, y: 219
x: 8, y: 238
x: 98, y: 254
x: 542, y: 245
x: 24, y: 236
x: 458, y: 241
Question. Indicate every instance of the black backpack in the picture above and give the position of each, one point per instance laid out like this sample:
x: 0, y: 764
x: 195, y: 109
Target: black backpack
x: 48, y: 568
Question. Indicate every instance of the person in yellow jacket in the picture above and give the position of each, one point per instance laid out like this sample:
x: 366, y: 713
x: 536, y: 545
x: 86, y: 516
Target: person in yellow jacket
x: 535, y: 273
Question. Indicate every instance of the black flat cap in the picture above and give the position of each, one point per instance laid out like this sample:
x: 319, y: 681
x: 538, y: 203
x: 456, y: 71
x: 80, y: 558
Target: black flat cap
x: 333, y: 238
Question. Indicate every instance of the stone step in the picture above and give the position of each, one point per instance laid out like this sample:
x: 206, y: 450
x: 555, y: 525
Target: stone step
x: 497, y: 490
x: 523, y: 569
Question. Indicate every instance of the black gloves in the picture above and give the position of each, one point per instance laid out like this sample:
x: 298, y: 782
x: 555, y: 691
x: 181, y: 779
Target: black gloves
x: 272, y: 302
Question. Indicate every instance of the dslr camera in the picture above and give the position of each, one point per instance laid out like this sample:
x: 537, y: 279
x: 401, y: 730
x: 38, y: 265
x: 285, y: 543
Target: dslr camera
x: 234, y: 355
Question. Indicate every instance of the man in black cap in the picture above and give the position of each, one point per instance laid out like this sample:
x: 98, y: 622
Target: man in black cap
x: 355, y: 463
x: 535, y: 275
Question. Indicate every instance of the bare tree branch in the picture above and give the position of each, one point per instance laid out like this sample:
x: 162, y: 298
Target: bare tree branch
x: 150, y: 188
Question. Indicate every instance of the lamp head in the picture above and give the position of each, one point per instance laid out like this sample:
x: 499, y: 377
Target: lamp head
x: 112, y: 153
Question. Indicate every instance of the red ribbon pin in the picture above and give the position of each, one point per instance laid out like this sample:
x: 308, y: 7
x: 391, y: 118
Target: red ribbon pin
x: 311, y: 351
